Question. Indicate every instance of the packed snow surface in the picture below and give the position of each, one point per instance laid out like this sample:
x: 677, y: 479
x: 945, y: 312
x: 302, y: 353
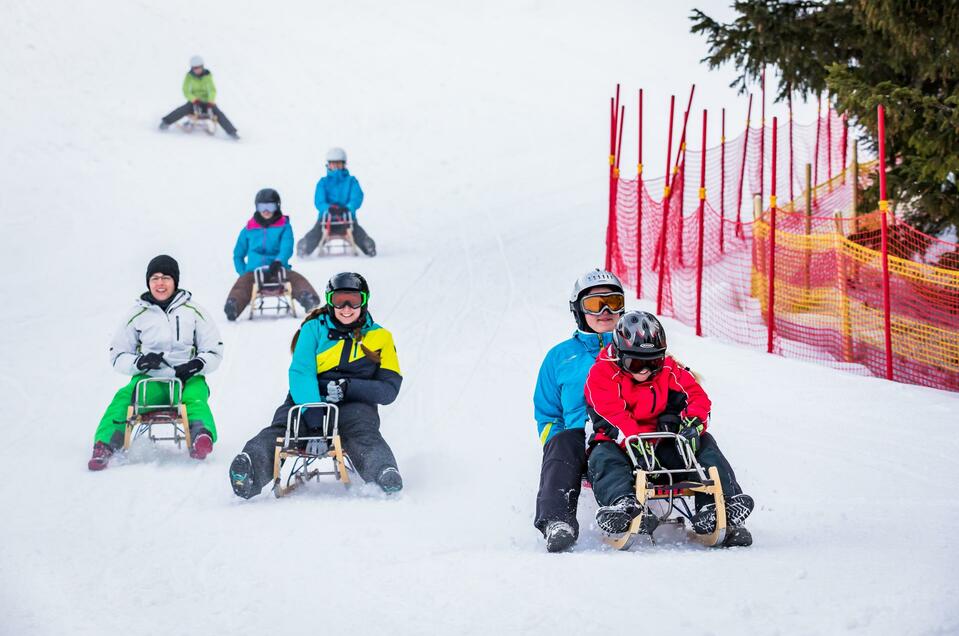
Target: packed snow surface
x: 479, y: 132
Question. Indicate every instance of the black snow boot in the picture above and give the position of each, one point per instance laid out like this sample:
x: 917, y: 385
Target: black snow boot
x: 390, y: 480
x: 308, y: 301
x: 230, y: 309
x: 241, y: 476
x: 616, y: 518
x: 560, y: 536
x: 738, y: 508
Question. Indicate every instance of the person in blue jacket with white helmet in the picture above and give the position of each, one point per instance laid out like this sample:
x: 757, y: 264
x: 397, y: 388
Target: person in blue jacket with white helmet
x: 266, y: 241
x: 337, y: 195
x: 596, y: 302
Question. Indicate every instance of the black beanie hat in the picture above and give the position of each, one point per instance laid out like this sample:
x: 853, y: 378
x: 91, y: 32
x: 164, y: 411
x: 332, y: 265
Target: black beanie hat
x: 164, y: 264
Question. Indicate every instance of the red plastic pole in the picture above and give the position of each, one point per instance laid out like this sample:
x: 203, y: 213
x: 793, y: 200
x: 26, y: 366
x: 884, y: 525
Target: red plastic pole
x: 611, y: 217
x: 679, y: 176
x: 722, y: 182
x: 742, y: 170
x: 682, y: 139
x: 699, y: 255
x: 639, y: 205
x: 815, y: 170
x: 845, y: 143
x: 762, y: 142
x: 883, y: 208
x: 792, y: 196
x: 828, y: 142
x: 771, y: 312
x: 662, y: 231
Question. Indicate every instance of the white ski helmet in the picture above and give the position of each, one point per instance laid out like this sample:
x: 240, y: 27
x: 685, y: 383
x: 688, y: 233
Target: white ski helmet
x: 196, y: 61
x: 593, y: 278
x: 336, y: 154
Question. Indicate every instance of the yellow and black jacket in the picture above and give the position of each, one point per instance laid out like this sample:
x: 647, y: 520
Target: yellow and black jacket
x: 325, y: 353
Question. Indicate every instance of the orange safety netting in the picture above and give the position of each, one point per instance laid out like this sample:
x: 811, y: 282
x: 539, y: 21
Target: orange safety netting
x: 828, y: 302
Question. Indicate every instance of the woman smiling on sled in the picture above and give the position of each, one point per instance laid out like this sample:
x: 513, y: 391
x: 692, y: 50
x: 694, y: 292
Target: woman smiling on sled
x: 340, y: 356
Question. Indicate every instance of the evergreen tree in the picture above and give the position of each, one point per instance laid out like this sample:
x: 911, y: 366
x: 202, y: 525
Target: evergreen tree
x: 903, y: 54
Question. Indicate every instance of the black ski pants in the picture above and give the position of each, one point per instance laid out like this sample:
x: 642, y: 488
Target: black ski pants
x: 611, y: 471
x: 560, y: 479
x: 359, y: 428
x: 311, y: 239
x: 180, y: 112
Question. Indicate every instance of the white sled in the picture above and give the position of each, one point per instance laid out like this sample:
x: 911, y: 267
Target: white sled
x: 337, y: 237
x: 169, y: 417
x: 305, y: 450
x: 675, y: 495
x: 271, y: 296
x: 199, y: 120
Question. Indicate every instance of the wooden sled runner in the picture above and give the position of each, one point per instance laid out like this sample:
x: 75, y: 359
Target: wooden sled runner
x: 661, y: 484
x: 142, y: 416
x: 271, y: 294
x: 304, y: 450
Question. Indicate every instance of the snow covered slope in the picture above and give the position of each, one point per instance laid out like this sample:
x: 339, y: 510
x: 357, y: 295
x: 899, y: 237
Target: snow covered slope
x: 478, y: 131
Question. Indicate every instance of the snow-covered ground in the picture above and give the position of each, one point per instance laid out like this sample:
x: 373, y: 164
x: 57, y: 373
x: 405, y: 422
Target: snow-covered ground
x: 478, y: 131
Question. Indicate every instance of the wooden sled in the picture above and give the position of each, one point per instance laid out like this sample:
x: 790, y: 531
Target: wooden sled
x: 305, y: 450
x: 271, y: 295
x: 199, y: 120
x: 337, y: 237
x: 675, y: 494
x: 142, y: 417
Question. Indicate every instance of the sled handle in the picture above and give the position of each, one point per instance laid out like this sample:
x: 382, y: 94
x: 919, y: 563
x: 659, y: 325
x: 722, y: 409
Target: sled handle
x: 176, y: 388
x: 682, y: 447
x: 331, y: 412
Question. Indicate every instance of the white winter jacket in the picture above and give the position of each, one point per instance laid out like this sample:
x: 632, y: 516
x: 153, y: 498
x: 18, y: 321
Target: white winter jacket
x: 183, y: 332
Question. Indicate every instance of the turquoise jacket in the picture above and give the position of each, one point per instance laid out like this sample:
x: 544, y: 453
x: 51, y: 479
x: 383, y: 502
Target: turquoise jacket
x: 340, y: 188
x: 260, y: 244
x: 323, y: 353
x: 558, y: 401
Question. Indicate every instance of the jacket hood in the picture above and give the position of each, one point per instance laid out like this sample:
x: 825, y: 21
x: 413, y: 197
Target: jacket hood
x: 205, y: 72
x: 179, y: 298
x: 338, y: 174
x: 257, y: 222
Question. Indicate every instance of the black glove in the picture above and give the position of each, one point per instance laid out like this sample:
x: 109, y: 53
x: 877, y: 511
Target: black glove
x: 645, y: 453
x: 188, y: 369
x: 691, y: 430
x: 275, y: 268
x: 149, y: 361
x: 669, y: 423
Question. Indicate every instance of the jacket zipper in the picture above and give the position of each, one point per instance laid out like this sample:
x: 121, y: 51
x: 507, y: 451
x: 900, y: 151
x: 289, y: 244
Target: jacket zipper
x: 653, y: 409
x: 178, y: 329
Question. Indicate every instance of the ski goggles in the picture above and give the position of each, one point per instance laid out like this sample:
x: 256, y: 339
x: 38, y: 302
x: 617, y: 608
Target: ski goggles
x: 341, y: 299
x: 595, y: 304
x: 634, y: 364
x: 267, y: 207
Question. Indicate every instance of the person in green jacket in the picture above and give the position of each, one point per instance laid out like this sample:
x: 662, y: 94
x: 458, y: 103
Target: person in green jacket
x: 200, y: 93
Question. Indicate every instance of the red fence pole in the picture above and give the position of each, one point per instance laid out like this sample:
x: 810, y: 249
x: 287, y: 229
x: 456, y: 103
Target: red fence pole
x: 845, y: 144
x: 762, y: 141
x: 771, y: 311
x: 829, y: 143
x: 742, y: 170
x: 639, y: 205
x: 883, y: 208
x: 792, y: 196
x: 815, y: 169
x: 699, y: 255
x: 722, y: 182
x: 611, y: 219
x: 662, y: 231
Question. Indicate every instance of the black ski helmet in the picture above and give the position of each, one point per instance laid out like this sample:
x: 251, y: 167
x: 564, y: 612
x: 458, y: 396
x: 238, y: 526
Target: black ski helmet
x: 640, y: 335
x: 593, y: 278
x: 347, y: 281
x: 268, y: 195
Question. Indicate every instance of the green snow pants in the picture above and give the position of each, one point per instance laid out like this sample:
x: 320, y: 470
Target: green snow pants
x: 195, y: 395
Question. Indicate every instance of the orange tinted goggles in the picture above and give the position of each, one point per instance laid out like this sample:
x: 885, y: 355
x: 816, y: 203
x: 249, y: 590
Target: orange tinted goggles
x: 594, y: 304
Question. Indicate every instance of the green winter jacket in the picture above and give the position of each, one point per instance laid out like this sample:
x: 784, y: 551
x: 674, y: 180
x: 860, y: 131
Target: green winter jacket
x: 201, y: 88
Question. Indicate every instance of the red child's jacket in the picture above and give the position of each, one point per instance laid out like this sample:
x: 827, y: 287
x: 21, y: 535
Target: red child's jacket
x: 619, y: 405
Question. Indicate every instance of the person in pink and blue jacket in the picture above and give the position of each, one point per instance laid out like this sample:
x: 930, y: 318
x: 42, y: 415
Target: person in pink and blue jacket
x: 266, y: 241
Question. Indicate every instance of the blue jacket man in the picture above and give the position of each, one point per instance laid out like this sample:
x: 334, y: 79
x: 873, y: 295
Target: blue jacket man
x: 337, y: 198
x: 559, y: 405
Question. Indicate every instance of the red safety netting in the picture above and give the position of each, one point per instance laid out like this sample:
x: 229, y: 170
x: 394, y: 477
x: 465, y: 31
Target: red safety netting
x: 827, y: 293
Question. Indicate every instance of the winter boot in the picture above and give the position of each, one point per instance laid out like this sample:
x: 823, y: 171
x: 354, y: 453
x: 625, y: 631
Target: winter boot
x: 308, y: 301
x: 369, y: 247
x: 163, y: 125
x: 390, y: 480
x: 230, y: 309
x: 202, y: 446
x: 617, y: 517
x: 738, y: 508
x: 241, y: 476
x: 101, y: 456
x: 560, y: 536
x: 738, y: 537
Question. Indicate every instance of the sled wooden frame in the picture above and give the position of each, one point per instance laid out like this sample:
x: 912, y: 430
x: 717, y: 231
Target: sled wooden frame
x: 141, y: 417
x: 290, y: 447
x: 645, y: 491
x: 193, y: 121
x: 282, y: 291
x: 348, y: 242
